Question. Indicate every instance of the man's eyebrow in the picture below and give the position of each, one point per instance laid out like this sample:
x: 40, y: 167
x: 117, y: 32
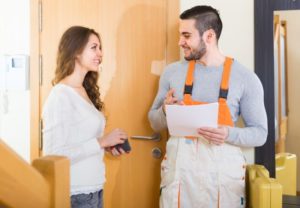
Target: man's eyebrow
x: 186, y: 33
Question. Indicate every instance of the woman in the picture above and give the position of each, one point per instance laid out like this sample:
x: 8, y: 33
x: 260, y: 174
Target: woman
x: 73, y: 121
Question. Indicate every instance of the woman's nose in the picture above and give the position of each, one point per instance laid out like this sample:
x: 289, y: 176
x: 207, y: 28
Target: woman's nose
x: 99, y: 52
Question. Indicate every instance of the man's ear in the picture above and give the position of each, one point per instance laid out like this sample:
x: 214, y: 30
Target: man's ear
x: 209, y: 36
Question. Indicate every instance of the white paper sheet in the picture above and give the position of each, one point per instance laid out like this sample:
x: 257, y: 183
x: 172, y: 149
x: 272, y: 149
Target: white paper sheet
x: 184, y: 120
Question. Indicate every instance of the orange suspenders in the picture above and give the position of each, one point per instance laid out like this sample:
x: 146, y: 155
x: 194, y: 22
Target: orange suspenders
x: 224, y: 117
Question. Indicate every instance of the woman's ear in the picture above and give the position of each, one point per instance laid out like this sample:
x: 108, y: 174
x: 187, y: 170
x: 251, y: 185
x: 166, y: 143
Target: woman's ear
x: 77, y: 57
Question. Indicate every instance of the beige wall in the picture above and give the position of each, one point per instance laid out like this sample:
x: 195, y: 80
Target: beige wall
x: 293, y: 61
x: 237, y: 38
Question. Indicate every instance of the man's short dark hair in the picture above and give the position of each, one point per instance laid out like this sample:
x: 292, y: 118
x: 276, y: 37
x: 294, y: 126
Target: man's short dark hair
x: 206, y: 18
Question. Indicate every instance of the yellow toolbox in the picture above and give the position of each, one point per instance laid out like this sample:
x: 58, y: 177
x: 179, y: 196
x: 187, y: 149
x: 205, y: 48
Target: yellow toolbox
x: 262, y: 191
x: 286, y: 172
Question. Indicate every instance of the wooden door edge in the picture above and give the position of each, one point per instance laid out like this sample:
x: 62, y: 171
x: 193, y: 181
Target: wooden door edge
x: 34, y: 80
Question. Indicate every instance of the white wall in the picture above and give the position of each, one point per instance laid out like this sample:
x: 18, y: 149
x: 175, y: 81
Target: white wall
x: 237, y: 38
x: 293, y: 63
x: 14, y: 104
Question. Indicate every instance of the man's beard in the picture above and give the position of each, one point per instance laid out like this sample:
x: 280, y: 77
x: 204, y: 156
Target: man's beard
x: 197, y: 54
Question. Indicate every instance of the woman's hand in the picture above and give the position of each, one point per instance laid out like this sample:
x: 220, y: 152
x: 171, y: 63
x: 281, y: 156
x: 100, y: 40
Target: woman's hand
x: 116, y: 152
x: 215, y: 136
x: 116, y: 136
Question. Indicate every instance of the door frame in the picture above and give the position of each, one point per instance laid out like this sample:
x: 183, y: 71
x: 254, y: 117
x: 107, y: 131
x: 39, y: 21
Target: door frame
x: 172, y: 54
x: 264, y: 68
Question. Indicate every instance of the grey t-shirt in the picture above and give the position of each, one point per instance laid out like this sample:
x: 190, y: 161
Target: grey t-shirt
x: 245, y: 98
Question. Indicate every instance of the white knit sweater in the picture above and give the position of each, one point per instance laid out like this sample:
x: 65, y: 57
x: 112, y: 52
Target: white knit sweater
x: 71, y: 128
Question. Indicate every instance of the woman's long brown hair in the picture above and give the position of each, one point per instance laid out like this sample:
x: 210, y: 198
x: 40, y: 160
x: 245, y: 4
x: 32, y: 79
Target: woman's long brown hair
x: 71, y: 44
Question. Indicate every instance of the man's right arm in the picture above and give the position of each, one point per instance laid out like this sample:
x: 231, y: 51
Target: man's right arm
x: 156, y: 114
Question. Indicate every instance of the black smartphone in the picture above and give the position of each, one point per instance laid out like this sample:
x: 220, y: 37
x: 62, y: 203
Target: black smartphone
x: 125, y: 146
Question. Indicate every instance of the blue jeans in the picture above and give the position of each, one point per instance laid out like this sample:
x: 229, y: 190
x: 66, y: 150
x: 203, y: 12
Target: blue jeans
x: 91, y: 200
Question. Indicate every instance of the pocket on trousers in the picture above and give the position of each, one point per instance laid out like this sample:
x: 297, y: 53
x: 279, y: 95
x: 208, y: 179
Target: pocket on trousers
x: 167, y: 172
x: 169, y: 195
x: 232, y: 187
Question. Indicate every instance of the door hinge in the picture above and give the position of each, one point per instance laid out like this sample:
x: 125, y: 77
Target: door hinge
x: 40, y: 16
x: 41, y: 135
x: 41, y: 70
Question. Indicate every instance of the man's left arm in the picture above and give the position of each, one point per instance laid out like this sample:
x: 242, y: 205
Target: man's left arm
x: 254, y: 115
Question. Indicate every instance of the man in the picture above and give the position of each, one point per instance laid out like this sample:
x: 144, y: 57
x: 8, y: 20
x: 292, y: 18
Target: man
x: 208, y: 171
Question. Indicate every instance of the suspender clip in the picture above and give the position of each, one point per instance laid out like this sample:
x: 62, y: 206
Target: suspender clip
x: 223, y: 93
x: 188, y: 89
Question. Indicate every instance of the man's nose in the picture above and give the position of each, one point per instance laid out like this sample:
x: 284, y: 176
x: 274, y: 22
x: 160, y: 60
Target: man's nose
x: 180, y: 42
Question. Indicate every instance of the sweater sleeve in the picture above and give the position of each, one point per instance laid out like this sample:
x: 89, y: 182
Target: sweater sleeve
x: 156, y: 115
x: 57, y: 121
x: 253, y: 112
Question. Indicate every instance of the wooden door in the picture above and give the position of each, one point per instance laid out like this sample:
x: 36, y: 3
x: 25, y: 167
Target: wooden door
x: 139, y: 37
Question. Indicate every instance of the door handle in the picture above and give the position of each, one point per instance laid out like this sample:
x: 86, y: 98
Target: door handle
x: 155, y: 137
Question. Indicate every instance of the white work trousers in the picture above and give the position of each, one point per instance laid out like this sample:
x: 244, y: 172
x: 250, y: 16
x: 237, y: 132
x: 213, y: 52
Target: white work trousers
x: 196, y: 174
